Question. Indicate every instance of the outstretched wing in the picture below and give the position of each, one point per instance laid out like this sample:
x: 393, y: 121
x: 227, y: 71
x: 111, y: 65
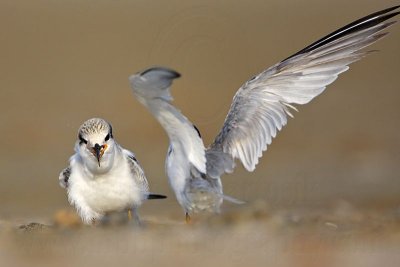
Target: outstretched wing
x: 64, y: 177
x: 261, y: 106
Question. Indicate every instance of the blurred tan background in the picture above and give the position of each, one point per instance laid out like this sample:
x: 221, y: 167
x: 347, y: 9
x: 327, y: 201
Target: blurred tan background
x: 63, y: 62
x: 328, y: 185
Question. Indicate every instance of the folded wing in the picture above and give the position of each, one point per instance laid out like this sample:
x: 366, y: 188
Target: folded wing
x: 136, y: 171
x: 63, y: 178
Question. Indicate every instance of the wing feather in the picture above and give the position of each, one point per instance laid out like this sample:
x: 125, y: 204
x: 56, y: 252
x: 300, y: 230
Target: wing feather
x: 261, y: 106
x: 137, y: 171
x: 63, y: 178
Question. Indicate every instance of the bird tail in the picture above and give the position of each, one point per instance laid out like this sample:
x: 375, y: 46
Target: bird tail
x: 233, y: 200
x: 155, y: 196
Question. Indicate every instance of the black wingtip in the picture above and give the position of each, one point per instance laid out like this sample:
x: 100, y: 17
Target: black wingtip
x: 156, y: 196
x: 358, y: 25
x: 172, y: 74
x: 386, y: 10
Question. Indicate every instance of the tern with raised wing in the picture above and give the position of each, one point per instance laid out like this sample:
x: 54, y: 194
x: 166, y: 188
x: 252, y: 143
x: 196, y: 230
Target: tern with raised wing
x: 260, y: 109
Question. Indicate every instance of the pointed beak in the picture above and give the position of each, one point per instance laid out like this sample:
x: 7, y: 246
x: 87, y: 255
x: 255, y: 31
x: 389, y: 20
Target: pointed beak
x: 98, y: 151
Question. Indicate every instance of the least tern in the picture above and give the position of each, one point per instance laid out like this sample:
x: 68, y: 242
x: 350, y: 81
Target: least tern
x: 102, y: 176
x: 259, y: 110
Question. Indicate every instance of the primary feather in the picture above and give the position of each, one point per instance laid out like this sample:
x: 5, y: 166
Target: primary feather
x: 261, y: 106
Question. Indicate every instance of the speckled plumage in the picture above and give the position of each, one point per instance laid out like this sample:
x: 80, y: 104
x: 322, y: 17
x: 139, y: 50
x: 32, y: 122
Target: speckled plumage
x: 94, y: 126
x: 64, y: 177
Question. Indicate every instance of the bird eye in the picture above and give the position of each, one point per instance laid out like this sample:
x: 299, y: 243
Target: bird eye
x: 82, y: 140
x: 107, y: 137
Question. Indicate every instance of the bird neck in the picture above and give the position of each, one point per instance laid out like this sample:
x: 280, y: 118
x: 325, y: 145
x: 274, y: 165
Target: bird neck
x: 170, y: 118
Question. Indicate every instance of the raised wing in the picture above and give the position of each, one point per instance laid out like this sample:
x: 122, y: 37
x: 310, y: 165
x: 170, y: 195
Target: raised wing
x: 261, y: 106
x: 152, y: 88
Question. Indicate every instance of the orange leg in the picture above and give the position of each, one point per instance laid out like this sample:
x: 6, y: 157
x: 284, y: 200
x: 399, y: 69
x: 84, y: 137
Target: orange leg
x: 187, y: 218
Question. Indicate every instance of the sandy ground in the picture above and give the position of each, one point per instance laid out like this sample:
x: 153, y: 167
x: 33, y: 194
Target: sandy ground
x: 252, y: 235
x: 326, y: 193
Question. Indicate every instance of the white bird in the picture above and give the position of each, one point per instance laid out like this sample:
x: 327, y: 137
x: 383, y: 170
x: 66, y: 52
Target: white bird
x: 259, y: 110
x: 103, y: 177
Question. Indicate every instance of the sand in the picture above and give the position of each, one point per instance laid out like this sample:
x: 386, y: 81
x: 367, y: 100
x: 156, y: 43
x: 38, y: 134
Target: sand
x: 326, y: 192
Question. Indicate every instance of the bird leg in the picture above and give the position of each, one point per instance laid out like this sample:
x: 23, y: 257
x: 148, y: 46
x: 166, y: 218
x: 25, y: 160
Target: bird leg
x: 187, y: 218
x: 132, y: 213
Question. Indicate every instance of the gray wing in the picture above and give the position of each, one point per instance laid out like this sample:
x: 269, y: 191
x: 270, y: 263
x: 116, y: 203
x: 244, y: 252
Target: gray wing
x: 261, y: 106
x: 64, y: 177
x: 137, y: 171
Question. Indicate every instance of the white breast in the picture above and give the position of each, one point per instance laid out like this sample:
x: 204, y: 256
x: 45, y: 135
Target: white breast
x: 178, y: 172
x: 95, y: 195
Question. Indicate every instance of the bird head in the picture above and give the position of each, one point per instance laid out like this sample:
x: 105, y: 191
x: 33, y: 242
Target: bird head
x: 96, y: 143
